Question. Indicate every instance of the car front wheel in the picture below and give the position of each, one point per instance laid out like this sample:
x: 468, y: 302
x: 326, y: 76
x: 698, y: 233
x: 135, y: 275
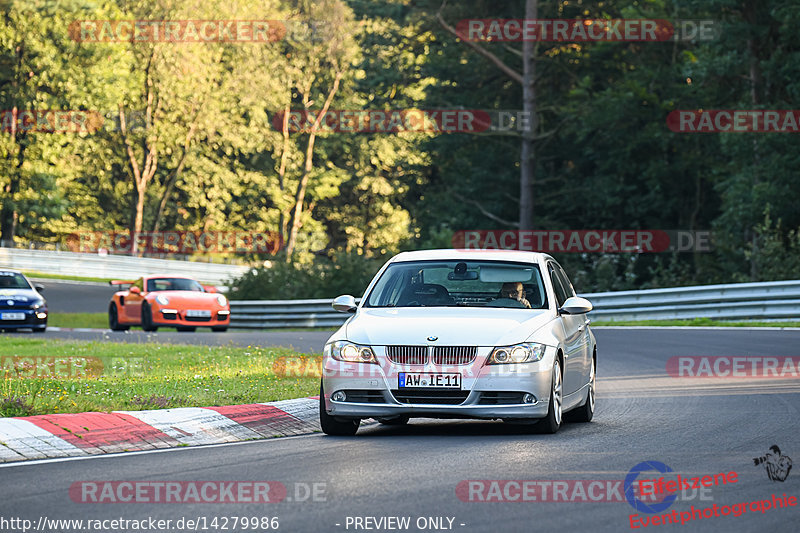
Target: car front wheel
x: 552, y: 421
x: 147, y: 318
x: 331, y: 426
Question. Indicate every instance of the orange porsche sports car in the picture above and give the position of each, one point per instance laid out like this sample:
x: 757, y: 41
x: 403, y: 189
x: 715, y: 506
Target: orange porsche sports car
x: 167, y: 301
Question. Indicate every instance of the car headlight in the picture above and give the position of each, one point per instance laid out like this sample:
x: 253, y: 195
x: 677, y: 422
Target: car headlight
x: 163, y: 300
x: 350, y: 352
x: 221, y: 300
x: 36, y: 304
x: 526, y: 352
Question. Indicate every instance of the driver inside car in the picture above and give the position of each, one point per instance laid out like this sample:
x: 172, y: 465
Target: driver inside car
x: 515, y: 291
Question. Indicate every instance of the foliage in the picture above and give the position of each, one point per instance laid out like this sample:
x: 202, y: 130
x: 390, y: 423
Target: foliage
x: 342, y: 273
x: 604, y: 156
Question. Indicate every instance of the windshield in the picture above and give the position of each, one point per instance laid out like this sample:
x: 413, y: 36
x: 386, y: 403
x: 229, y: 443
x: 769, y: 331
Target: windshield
x: 459, y: 283
x: 13, y: 280
x: 173, y: 284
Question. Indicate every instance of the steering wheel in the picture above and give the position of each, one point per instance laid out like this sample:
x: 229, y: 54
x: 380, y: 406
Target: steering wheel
x: 506, y: 302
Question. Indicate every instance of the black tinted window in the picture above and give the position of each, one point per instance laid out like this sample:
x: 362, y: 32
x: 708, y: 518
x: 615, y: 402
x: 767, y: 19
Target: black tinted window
x: 568, y: 288
x: 561, y: 295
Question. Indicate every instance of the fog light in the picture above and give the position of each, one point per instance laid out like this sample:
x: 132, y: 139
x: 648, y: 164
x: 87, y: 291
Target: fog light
x: 338, y: 396
x: 529, y: 398
x: 41, y: 315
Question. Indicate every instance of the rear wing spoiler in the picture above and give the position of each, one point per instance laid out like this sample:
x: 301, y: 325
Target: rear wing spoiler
x: 121, y: 282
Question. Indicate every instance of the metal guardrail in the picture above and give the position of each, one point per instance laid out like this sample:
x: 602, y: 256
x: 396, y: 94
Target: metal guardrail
x: 733, y: 301
x: 742, y: 301
x: 114, y: 266
x: 285, y: 314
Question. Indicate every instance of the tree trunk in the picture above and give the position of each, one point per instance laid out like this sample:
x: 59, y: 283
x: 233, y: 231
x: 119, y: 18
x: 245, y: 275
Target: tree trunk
x: 141, y: 175
x: 528, y: 81
x: 756, y: 87
x: 8, y: 214
x: 282, y: 169
x: 300, y: 195
x: 162, y: 205
x: 527, y: 152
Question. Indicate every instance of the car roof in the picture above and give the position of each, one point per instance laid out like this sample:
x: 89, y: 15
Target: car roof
x: 181, y: 276
x: 15, y: 271
x: 453, y: 254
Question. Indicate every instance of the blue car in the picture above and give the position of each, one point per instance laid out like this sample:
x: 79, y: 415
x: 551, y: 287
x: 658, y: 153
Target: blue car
x: 21, y: 305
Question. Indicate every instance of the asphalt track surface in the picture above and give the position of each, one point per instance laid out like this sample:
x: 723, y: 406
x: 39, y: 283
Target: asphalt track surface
x: 65, y: 296
x: 695, y: 426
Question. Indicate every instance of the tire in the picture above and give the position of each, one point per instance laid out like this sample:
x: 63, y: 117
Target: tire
x: 397, y: 421
x: 331, y: 426
x: 40, y: 330
x: 186, y: 328
x: 585, y: 412
x: 222, y: 329
x: 147, y: 318
x: 552, y: 422
x: 113, y: 319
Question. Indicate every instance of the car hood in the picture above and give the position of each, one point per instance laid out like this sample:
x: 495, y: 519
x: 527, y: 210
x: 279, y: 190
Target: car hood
x: 19, y: 296
x: 187, y: 297
x: 453, y: 326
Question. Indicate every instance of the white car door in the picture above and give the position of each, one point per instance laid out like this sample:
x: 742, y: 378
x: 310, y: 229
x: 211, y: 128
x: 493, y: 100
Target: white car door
x: 583, y: 326
x: 573, y: 337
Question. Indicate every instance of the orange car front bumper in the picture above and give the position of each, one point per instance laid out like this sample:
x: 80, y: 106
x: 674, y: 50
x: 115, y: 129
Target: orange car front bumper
x: 166, y: 316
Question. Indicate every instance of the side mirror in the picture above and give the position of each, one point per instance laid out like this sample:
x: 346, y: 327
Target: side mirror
x: 344, y: 304
x: 38, y: 287
x: 135, y: 290
x: 576, y: 306
x: 209, y: 288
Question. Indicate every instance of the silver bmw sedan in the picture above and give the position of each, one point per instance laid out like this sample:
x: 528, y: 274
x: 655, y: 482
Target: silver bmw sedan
x: 461, y: 334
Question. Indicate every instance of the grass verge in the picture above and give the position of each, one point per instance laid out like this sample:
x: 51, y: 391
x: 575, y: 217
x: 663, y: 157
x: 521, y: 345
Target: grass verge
x: 45, y: 275
x: 100, y: 321
x: 78, y: 320
x: 698, y: 322
x: 48, y: 376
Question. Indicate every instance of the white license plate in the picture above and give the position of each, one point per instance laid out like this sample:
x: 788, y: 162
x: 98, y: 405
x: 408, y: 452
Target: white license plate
x: 197, y: 313
x: 418, y: 380
x: 12, y: 316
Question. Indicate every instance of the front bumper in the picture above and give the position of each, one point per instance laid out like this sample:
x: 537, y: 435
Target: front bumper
x: 374, y: 389
x: 168, y: 316
x: 32, y: 319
